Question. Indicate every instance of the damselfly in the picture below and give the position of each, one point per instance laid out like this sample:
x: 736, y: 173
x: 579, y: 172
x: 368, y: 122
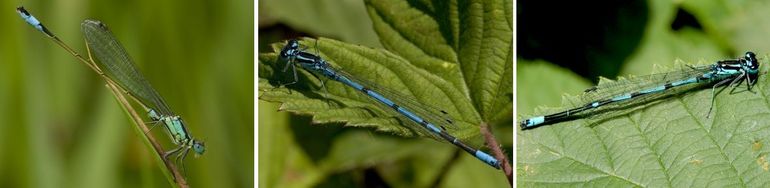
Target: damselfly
x: 120, y: 69
x: 638, y: 90
x: 420, y: 117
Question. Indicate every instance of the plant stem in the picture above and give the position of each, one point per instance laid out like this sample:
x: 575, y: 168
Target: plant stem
x: 497, y: 151
x: 174, y: 175
x: 177, y: 177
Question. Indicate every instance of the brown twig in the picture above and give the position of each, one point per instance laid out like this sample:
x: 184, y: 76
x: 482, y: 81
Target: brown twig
x: 497, y: 151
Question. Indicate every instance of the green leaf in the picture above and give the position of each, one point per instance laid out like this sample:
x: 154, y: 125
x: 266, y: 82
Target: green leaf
x: 735, y: 24
x: 452, y: 56
x: 339, y: 103
x: 347, y: 154
x: 475, y: 35
x: 322, y: 18
x: 668, y: 144
x: 281, y: 158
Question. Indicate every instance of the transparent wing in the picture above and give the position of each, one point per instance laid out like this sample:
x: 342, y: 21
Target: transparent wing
x: 118, y: 65
x: 638, y: 83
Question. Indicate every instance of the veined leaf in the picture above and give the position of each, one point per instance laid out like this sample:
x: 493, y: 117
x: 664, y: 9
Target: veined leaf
x: 670, y: 143
x: 334, y: 102
x: 453, y: 56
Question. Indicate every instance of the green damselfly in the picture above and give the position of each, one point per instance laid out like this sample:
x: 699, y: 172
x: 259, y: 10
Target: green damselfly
x: 115, y: 62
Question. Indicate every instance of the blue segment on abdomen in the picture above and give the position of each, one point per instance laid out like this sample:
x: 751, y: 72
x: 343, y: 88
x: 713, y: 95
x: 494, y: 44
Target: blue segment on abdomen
x: 350, y: 83
x: 683, y: 82
x: 622, y: 97
x: 535, y: 121
x: 381, y: 98
x: 31, y: 20
x: 655, y: 89
x: 487, y: 158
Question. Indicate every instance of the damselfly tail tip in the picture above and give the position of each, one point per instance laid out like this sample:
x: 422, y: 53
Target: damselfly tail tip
x: 495, y: 165
x: 31, y: 20
x: 524, y: 124
x: 21, y: 10
x: 25, y: 14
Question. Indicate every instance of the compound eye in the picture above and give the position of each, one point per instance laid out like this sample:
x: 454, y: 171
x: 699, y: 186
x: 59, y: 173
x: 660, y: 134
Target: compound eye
x: 199, y: 148
x: 751, y: 59
x: 750, y: 55
x: 289, y: 49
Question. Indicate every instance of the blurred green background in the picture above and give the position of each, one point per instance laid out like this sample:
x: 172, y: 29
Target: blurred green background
x: 295, y: 152
x: 60, y: 126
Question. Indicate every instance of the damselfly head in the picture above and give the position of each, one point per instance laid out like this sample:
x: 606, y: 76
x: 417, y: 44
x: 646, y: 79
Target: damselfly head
x: 751, y: 60
x: 198, y: 147
x: 291, y: 49
x: 751, y: 64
